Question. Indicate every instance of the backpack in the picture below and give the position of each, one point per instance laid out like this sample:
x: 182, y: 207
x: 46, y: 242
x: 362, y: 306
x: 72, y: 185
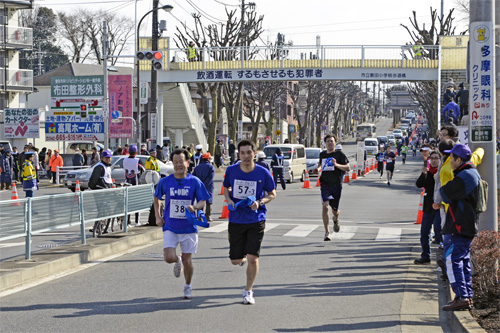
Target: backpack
x: 482, y: 196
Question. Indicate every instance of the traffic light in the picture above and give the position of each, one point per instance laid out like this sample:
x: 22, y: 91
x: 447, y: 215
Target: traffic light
x: 83, y: 110
x: 155, y: 56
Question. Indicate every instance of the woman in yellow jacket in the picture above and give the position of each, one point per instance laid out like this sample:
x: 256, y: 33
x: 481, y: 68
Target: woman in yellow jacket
x: 29, y: 175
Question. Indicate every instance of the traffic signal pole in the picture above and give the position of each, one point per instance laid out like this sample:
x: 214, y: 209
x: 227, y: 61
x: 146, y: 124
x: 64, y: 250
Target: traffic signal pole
x: 153, y: 103
x: 105, y: 106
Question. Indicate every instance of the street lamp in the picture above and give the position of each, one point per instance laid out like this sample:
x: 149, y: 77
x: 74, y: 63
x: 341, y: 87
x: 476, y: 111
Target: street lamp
x: 166, y: 8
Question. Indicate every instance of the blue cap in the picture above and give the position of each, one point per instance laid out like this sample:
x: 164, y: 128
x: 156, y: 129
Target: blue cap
x: 107, y: 153
x: 132, y: 149
x: 461, y: 151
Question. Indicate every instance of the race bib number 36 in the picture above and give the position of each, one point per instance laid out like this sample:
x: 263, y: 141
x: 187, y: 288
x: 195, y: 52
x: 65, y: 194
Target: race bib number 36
x: 244, y: 188
x: 178, y: 208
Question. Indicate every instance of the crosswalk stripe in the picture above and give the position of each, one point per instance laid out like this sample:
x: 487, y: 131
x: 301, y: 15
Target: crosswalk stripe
x: 344, y: 233
x: 302, y: 230
x: 216, y: 228
x: 389, y: 234
x: 270, y: 226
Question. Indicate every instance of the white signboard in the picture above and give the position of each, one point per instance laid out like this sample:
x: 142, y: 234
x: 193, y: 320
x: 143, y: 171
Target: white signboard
x: 463, y: 134
x: 21, y: 123
x: 144, y: 92
x: 360, y: 155
x: 153, y: 125
x: 482, y: 90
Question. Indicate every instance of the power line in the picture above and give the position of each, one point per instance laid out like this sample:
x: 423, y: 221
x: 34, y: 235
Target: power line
x: 202, y: 12
x: 226, y: 4
x: 84, y: 3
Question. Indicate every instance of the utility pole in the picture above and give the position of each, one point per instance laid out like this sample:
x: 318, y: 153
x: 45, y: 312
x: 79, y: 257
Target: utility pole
x: 105, y: 106
x: 153, y: 103
x: 39, y: 56
x: 483, y: 133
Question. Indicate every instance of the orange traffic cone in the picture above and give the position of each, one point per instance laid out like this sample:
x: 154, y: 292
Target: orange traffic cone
x: 318, y: 183
x: 420, y: 209
x: 367, y: 168
x: 225, y: 211
x: 114, y: 185
x: 77, y: 191
x: 14, y: 195
x: 222, y: 187
x: 14, y: 192
x: 354, y: 173
x: 307, y: 183
x: 346, y: 178
x: 372, y: 165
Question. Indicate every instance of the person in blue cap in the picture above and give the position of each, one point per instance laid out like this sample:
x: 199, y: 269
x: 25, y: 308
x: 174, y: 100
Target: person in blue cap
x: 460, y: 228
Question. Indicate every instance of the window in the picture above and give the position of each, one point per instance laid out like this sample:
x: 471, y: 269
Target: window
x: 301, y: 152
x: 289, y: 110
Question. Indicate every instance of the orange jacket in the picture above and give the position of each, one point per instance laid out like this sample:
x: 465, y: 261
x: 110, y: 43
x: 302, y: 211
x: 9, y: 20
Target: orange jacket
x: 55, y: 161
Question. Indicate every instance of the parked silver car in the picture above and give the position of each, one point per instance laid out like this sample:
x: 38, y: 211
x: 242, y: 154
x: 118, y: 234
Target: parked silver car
x: 117, y: 172
x: 312, y: 156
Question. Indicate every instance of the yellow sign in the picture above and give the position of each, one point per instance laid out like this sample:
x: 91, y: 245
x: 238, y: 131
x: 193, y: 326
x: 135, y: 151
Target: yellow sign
x: 278, y: 132
x: 61, y: 113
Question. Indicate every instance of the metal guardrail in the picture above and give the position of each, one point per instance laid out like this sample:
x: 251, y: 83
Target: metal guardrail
x: 322, y: 56
x: 25, y: 217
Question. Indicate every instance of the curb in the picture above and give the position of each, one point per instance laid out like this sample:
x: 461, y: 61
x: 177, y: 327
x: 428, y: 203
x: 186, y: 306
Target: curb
x: 461, y: 321
x: 17, y: 272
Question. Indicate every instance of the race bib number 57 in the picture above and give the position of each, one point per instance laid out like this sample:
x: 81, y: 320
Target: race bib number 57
x: 178, y: 208
x: 244, y: 188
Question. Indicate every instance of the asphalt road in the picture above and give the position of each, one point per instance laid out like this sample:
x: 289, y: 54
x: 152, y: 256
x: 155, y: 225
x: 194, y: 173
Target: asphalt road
x: 356, y: 282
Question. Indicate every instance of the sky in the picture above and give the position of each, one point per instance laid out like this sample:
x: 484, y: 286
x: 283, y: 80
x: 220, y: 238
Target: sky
x: 337, y: 22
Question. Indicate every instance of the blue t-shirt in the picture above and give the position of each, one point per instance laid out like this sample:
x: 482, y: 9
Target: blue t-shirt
x: 180, y: 193
x: 254, y: 183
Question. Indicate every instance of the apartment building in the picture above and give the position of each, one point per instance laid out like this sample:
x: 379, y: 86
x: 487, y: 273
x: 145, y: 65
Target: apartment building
x: 15, y: 83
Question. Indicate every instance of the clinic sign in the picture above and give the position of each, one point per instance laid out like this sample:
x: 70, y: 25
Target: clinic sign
x: 482, y: 90
x: 77, y: 86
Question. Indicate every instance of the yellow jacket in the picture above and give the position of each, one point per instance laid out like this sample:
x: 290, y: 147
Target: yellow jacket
x: 152, y: 164
x: 446, y: 173
x: 29, y: 171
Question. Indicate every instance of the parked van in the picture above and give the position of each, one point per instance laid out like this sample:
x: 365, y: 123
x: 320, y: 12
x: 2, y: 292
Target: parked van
x: 295, y: 160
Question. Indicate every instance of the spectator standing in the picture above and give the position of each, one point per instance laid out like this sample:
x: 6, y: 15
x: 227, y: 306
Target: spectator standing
x: 218, y: 154
x: 77, y: 158
x: 6, y: 169
x: 47, y: 163
x: 426, y: 181
x: 94, y: 158
x: 460, y: 228
x: 85, y: 157
x: 55, y: 161
x: 261, y: 160
x: 205, y: 171
x: 125, y: 149
x: 15, y: 156
x: 41, y: 157
x: 278, y: 164
x: 232, y: 152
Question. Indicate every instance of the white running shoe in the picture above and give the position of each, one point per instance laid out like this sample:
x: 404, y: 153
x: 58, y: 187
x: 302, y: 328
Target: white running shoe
x: 188, y: 292
x: 178, y: 267
x: 248, y: 297
x: 327, y: 237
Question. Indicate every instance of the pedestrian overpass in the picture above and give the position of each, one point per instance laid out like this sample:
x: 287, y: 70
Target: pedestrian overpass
x: 302, y: 63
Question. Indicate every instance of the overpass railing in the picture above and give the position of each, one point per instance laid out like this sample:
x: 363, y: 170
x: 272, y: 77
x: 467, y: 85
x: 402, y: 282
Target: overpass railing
x: 338, y: 56
x: 25, y: 217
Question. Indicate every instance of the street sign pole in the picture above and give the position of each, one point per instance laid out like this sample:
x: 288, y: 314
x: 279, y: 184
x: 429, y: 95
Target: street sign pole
x: 105, y: 107
x: 482, y: 98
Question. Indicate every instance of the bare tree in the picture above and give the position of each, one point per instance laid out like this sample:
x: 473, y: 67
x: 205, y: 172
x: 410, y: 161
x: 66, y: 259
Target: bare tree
x: 83, y: 32
x: 233, y: 32
x: 426, y: 92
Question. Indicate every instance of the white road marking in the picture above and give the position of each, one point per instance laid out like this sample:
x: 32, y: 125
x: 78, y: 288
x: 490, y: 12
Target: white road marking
x: 270, y: 226
x: 344, y: 233
x: 302, y: 230
x: 4, y: 245
x: 216, y: 228
x: 389, y: 235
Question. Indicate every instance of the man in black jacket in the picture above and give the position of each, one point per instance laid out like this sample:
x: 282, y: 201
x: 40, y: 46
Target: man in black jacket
x: 460, y: 227
x: 426, y: 180
x: 101, y: 179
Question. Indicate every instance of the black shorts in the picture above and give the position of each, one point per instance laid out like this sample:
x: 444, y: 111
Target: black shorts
x: 332, y: 194
x: 245, y: 238
x: 380, y: 166
x: 389, y: 167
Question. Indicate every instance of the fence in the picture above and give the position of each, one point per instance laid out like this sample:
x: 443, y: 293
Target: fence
x: 25, y: 217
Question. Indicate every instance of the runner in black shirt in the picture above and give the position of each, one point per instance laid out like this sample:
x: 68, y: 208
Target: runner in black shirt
x: 390, y: 160
x: 333, y: 165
